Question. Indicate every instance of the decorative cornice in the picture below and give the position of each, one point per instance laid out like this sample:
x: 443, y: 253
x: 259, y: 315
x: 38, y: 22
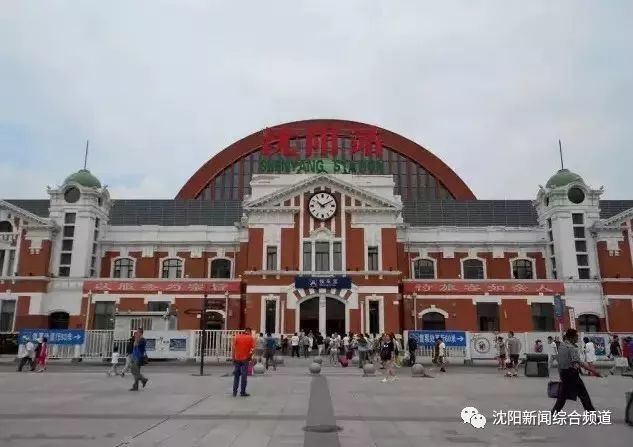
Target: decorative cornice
x: 44, y: 222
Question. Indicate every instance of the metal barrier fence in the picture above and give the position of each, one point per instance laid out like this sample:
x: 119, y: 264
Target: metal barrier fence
x: 218, y: 345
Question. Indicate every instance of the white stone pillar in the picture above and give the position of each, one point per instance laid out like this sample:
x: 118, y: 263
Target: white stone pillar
x: 322, y: 313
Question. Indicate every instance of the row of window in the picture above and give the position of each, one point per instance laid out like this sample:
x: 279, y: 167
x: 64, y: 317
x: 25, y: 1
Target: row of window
x: 171, y: 268
x: 472, y: 269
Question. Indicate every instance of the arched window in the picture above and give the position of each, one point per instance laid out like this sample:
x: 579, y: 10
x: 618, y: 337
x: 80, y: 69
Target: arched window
x: 220, y: 268
x: 172, y: 268
x: 433, y: 321
x: 522, y: 269
x: 58, y: 320
x: 6, y: 227
x: 123, y: 268
x: 473, y: 269
x: 588, y: 323
x: 423, y: 269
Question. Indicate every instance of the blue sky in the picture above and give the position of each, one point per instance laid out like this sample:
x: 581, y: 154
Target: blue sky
x: 161, y: 86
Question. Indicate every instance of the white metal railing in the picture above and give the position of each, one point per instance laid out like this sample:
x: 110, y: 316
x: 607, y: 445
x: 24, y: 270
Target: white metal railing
x: 219, y: 344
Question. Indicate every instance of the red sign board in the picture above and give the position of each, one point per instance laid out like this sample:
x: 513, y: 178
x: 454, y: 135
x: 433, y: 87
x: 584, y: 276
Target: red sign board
x: 123, y: 286
x: 321, y: 141
x: 483, y: 287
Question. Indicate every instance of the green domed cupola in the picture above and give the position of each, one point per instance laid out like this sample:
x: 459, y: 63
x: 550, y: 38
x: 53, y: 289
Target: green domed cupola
x: 84, y: 178
x: 562, y: 178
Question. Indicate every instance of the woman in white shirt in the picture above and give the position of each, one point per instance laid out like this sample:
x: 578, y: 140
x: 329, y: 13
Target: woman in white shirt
x: 590, y: 351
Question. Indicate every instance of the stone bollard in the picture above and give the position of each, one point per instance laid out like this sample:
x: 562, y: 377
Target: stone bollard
x: 318, y: 360
x: 417, y: 370
x: 315, y: 368
x: 259, y: 368
x: 369, y: 369
x: 279, y: 359
x: 355, y: 361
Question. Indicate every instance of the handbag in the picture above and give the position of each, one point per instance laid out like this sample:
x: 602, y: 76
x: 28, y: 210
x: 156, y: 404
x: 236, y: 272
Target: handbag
x: 553, y: 389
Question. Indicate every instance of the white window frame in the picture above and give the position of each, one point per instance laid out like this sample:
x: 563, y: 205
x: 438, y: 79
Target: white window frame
x: 379, y: 257
x: 133, y: 266
x: 265, y: 263
x: 262, y: 319
x: 231, y: 263
x: 483, y: 261
x: 167, y: 258
x: 381, y: 313
x: 15, y: 310
x: 423, y: 258
x: 523, y: 258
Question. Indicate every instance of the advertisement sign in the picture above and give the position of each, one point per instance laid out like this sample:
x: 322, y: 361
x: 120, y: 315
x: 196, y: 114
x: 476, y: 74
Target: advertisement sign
x: 456, y: 339
x: 600, y: 342
x: 323, y: 282
x: 559, y: 307
x: 481, y: 287
x: 183, y: 286
x: 166, y: 344
x: 54, y: 336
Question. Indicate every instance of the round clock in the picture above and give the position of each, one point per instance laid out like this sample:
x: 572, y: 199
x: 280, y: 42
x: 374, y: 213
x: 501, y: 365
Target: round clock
x: 322, y: 206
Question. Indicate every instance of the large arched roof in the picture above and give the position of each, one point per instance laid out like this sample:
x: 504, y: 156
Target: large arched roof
x: 407, y: 148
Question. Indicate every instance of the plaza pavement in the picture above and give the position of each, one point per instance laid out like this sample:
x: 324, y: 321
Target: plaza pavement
x: 79, y: 406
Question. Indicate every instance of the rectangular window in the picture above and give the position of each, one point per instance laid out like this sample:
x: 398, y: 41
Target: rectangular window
x: 372, y: 258
x: 581, y: 246
x: 338, y: 256
x: 543, y: 316
x: 69, y: 218
x: 550, y: 236
x: 577, y: 218
x: 69, y: 231
x: 94, y: 249
x: 579, y: 232
x: 97, y: 221
x: 582, y: 260
x: 104, y: 315
x: 144, y: 323
x: 64, y: 271
x: 584, y: 273
x: 157, y: 306
x: 10, y: 261
x: 7, y: 314
x: 2, y: 256
x: 549, y: 223
x: 271, y: 316
x: 307, y: 256
x: 271, y: 257
x: 374, y: 317
x: 65, y: 259
x: 488, y: 317
x: 67, y: 245
x: 322, y: 256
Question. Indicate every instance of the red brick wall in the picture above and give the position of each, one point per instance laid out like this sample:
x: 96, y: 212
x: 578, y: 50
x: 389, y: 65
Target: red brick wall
x: 618, y: 287
x: 132, y: 304
x: 255, y: 248
x: 354, y: 320
x: 620, y: 315
x: 392, y: 313
x: 146, y: 267
x: 188, y: 321
x: 290, y: 247
x: 402, y: 258
x: 354, y: 246
x: 289, y: 321
x: 515, y: 315
x: 34, y: 264
x: 462, y: 314
x: 448, y: 267
x: 539, y: 265
x: 619, y: 266
x: 106, y: 263
x: 497, y: 268
x: 389, y: 250
x: 194, y: 267
x: 253, y: 311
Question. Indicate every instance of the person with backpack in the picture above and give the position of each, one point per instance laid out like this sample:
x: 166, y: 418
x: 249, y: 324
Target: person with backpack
x: 363, y: 347
x: 29, y: 356
x: 387, y: 357
x: 138, y: 356
x: 269, y: 352
x: 412, y: 345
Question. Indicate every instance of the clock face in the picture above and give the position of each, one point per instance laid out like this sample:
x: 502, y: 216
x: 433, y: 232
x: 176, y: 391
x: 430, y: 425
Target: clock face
x: 322, y: 206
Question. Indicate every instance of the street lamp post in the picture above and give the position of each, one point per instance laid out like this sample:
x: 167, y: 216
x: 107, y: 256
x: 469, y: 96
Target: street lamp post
x: 203, y: 331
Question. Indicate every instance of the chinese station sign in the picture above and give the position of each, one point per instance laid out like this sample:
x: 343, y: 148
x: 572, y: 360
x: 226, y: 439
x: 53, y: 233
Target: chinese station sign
x: 326, y: 282
x: 322, y: 150
x: 483, y: 287
x: 114, y: 286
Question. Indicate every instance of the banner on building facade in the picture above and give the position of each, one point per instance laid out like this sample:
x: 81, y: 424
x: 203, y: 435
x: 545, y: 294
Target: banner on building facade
x: 184, y: 286
x: 323, y: 282
x: 53, y: 336
x: 559, y: 307
x: 454, y: 339
x: 485, y: 287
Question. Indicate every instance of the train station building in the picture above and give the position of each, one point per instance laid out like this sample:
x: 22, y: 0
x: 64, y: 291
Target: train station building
x: 319, y: 225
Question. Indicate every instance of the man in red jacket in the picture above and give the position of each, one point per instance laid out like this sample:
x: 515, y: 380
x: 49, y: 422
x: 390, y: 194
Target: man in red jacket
x: 243, y: 346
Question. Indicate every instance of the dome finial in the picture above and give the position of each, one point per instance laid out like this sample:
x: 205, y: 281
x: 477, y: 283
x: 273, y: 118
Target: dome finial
x: 560, y: 149
x: 86, y: 155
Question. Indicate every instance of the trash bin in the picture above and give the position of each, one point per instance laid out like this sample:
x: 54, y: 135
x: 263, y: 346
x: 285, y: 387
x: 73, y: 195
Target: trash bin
x: 536, y: 365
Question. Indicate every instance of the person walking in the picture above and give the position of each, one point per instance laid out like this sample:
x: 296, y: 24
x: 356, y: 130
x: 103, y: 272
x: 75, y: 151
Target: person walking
x: 284, y: 345
x: 569, y: 364
x: 615, y: 351
x: 260, y: 347
x: 243, y: 347
x: 307, y: 345
x: 269, y: 353
x: 138, y: 356
x: 590, y: 351
x: 441, y: 354
x: 412, y: 345
x: 294, y: 344
x: 387, y: 354
x: 114, y: 362
x: 363, y: 347
x: 514, y: 349
x: 29, y: 356
x: 553, y: 351
x: 320, y: 342
x: 502, y: 353
x: 41, y: 354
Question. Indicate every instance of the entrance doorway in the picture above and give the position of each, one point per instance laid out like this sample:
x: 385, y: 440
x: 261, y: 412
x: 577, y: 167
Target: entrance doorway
x: 309, y: 315
x: 334, y: 316
x: 215, y: 321
x: 58, y: 320
x: 433, y: 321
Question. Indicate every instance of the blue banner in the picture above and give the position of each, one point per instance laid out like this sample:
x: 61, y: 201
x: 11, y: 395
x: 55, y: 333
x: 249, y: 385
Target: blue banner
x: 559, y: 307
x: 54, y: 336
x: 456, y: 339
x: 323, y: 282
